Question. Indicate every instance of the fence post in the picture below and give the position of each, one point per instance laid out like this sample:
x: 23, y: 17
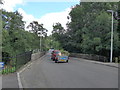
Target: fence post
x: 116, y: 59
x: 16, y: 63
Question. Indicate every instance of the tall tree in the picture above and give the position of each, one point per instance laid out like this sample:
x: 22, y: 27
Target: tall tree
x: 36, y: 28
x: 90, y: 29
x: 58, y: 33
x: 15, y: 39
x: 13, y: 25
x: 57, y: 28
x: 1, y: 2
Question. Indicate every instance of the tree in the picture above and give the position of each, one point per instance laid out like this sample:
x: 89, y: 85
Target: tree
x: 15, y: 39
x: 1, y: 2
x: 58, y: 34
x: 57, y: 28
x: 12, y: 20
x: 90, y: 29
x: 12, y: 26
x: 36, y: 27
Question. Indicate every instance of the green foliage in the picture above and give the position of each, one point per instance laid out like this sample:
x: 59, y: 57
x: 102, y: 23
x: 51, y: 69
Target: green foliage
x: 50, y: 42
x: 90, y: 29
x: 7, y: 70
x: 37, y: 28
x: 57, y: 28
x: 15, y: 39
x: 63, y: 52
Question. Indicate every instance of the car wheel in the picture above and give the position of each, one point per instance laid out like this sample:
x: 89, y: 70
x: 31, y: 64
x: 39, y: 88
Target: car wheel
x: 67, y: 61
x: 55, y: 61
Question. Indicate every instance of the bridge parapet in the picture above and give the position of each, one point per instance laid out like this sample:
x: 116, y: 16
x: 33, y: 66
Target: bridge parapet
x: 36, y: 56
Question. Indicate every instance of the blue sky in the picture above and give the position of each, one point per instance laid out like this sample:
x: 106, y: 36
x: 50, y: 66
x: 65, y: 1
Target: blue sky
x: 38, y: 9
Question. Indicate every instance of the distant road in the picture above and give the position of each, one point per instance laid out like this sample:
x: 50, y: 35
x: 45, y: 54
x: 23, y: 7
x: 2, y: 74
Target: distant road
x: 74, y: 74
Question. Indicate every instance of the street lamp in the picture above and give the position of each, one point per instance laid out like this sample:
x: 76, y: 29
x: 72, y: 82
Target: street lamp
x: 111, y: 53
x: 39, y: 34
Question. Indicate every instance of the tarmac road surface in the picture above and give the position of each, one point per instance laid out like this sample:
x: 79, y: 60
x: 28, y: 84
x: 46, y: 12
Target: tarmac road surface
x: 44, y: 73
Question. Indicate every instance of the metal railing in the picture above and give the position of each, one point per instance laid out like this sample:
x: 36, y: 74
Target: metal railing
x: 12, y: 64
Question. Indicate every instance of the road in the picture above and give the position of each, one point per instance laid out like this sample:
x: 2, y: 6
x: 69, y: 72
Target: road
x: 44, y: 73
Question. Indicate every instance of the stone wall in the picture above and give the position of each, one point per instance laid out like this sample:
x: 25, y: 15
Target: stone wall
x: 89, y: 57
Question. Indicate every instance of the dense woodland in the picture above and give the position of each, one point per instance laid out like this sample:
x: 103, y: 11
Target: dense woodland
x: 89, y: 31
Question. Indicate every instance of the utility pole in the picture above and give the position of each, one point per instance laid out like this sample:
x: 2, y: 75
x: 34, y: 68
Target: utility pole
x: 40, y: 43
x: 111, y: 51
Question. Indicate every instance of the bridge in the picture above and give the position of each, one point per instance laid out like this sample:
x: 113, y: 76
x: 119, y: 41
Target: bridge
x: 77, y: 73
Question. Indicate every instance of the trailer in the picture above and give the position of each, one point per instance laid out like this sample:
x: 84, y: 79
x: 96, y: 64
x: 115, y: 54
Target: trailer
x: 61, y: 59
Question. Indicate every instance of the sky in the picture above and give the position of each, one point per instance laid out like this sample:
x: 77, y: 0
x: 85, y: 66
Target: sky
x: 47, y: 12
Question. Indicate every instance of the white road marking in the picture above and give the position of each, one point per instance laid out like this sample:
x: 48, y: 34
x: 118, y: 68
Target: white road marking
x: 18, y: 73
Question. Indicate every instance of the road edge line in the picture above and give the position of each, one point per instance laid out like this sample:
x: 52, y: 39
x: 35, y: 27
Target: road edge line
x: 19, y: 81
x: 18, y: 74
x: 97, y: 62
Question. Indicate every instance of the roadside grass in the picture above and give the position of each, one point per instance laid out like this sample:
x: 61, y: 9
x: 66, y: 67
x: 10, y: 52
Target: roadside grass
x: 8, y: 70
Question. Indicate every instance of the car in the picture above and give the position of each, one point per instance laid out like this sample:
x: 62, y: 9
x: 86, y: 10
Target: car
x: 54, y: 54
x: 61, y: 59
x: 58, y: 57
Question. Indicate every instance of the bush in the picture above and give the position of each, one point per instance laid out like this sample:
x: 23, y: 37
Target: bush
x: 63, y: 52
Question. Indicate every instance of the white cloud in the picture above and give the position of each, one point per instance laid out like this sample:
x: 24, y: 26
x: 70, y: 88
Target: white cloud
x: 27, y: 17
x: 10, y: 4
x: 48, y: 20
x: 51, y: 18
